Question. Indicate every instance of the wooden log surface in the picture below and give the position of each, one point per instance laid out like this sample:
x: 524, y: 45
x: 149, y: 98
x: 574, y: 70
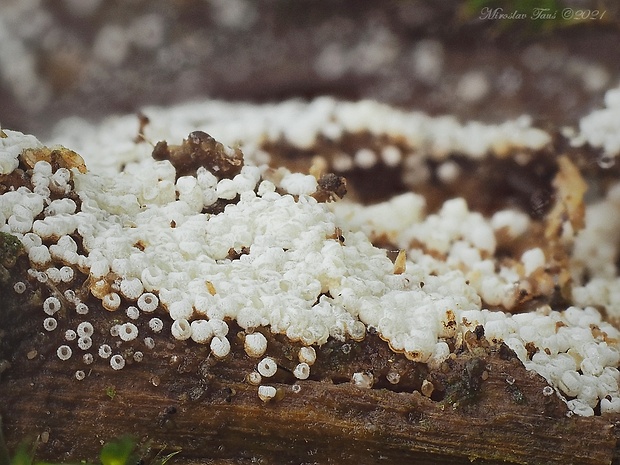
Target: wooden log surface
x: 484, y: 406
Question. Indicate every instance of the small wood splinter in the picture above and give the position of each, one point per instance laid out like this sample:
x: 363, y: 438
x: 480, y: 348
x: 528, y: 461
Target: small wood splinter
x: 400, y: 264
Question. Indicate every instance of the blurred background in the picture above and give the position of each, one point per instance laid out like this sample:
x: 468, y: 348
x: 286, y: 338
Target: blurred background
x: 478, y: 59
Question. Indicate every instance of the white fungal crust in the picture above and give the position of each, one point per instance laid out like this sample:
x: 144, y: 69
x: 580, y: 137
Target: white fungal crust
x: 145, y: 240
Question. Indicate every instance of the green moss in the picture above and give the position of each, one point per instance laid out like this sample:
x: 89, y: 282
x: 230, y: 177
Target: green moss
x: 10, y: 250
x: 110, y: 391
x: 122, y: 451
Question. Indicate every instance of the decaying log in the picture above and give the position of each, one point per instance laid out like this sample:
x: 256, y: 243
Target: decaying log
x: 362, y: 404
x: 480, y: 405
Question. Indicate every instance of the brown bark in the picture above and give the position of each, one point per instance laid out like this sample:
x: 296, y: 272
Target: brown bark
x: 483, y: 405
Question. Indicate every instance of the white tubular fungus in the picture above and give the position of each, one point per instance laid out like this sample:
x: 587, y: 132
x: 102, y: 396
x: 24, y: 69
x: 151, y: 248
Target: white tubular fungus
x: 365, y: 158
x: 532, y: 260
x: 105, y: 351
x: 19, y: 287
x: 117, y: 362
x: 60, y: 206
x: 220, y: 328
x: 71, y: 296
x: 51, y: 305
x: 548, y: 391
x: 220, y: 346
x: 266, y: 393
x: 30, y: 240
x: 362, y: 380
x: 202, y: 332
x: 81, y: 308
x: 149, y: 342
x: 255, y: 344
x: 88, y: 359
x: 85, y: 342
x: 70, y: 335
x: 148, y: 302
x: 131, y: 288
x: 226, y: 189
x: 301, y: 371
x: 393, y: 377
x: 138, y: 356
x: 128, y: 332
x: 111, y: 301
x: 611, y: 405
x: 85, y: 329
x: 181, y: 330
x: 80, y: 375
x: 8, y: 163
x: 307, y: 355
x: 53, y: 274
x: 66, y: 274
x: 156, y: 325
x: 20, y: 223
x: 181, y: 310
x: 50, y: 324
x: 132, y: 312
x: 298, y: 183
x: 152, y: 278
x: 99, y: 268
x: 267, y: 367
x: 391, y: 155
x: 39, y: 255
x: 64, y: 352
x: 254, y: 378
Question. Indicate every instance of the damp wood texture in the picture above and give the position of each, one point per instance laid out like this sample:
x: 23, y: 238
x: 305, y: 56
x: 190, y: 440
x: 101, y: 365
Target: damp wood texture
x: 480, y: 405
